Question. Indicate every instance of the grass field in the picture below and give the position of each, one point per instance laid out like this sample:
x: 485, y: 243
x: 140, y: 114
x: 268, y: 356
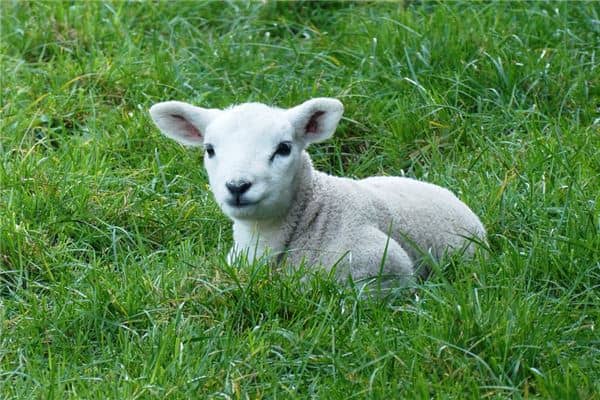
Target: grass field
x: 113, y: 282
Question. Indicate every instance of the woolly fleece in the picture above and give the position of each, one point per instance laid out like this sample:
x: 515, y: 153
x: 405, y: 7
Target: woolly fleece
x: 352, y: 224
x: 376, y: 227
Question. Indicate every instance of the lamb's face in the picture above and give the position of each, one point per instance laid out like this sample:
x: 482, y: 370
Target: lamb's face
x: 252, y: 151
x: 251, y: 156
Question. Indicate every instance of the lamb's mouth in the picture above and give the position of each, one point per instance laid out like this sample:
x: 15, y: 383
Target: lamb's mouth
x: 240, y: 203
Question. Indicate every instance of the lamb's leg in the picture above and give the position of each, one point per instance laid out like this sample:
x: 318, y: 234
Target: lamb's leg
x: 240, y: 254
x: 375, y: 255
x: 231, y: 256
x: 246, y: 254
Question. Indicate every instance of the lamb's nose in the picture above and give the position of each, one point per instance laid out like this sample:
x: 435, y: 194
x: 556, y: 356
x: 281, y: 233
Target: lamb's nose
x: 238, y: 188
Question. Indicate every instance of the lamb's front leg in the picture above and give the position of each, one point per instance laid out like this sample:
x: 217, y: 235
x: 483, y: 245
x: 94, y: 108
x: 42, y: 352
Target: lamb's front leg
x: 248, y: 244
x: 232, y: 256
x: 247, y: 254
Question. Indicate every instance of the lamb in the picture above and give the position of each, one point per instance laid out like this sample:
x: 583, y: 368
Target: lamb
x: 263, y: 179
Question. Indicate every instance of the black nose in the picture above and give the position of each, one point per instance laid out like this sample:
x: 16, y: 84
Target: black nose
x: 238, y: 188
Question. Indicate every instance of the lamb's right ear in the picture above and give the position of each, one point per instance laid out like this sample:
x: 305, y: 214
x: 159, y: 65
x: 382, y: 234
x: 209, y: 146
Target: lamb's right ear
x: 182, y: 121
x: 316, y: 119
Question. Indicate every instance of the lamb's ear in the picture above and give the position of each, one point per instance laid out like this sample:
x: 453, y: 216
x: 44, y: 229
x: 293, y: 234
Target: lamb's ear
x: 182, y: 121
x: 315, y: 120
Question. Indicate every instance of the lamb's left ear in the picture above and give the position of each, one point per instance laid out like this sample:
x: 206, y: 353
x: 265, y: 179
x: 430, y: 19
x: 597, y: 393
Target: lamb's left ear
x: 315, y: 120
x: 182, y: 121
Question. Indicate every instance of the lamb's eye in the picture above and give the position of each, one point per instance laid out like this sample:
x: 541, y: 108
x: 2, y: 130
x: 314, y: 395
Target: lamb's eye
x: 210, y: 151
x: 283, y: 149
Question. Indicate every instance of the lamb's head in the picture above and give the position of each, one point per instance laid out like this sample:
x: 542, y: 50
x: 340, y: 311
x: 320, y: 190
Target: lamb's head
x: 253, y: 152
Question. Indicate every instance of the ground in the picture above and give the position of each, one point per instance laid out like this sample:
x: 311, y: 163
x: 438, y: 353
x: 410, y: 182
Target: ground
x: 113, y: 282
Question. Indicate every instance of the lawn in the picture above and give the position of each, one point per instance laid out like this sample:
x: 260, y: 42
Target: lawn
x: 113, y: 281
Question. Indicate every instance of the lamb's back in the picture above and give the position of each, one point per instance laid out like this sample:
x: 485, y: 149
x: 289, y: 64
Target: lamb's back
x: 430, y: 216
x: 418, y: 215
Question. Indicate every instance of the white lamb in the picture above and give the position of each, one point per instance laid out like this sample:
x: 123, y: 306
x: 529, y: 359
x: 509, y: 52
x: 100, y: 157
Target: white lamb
x: 263, y: 179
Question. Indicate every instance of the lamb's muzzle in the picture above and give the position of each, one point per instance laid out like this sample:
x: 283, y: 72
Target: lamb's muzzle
x: 263, y: 179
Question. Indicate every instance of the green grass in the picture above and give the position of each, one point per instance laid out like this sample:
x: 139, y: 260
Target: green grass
x: 112, y: 275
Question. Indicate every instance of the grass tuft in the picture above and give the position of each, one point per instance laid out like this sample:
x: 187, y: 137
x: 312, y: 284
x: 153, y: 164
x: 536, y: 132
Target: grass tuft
x: 113, y: 282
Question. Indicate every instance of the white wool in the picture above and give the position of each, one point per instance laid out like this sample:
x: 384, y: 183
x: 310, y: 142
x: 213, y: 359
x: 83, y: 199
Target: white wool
x: 282, y: 207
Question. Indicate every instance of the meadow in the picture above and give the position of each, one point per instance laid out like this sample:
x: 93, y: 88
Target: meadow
x: 113, y: 281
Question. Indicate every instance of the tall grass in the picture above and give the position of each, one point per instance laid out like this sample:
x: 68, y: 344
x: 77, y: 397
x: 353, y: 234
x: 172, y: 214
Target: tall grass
x: 113, y: 282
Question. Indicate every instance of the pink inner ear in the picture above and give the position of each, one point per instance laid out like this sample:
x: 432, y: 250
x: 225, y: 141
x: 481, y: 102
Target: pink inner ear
x: 189, y: 130
x: 312, y: 125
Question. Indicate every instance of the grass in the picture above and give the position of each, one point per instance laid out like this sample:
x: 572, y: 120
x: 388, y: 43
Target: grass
x: 112, y: 275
